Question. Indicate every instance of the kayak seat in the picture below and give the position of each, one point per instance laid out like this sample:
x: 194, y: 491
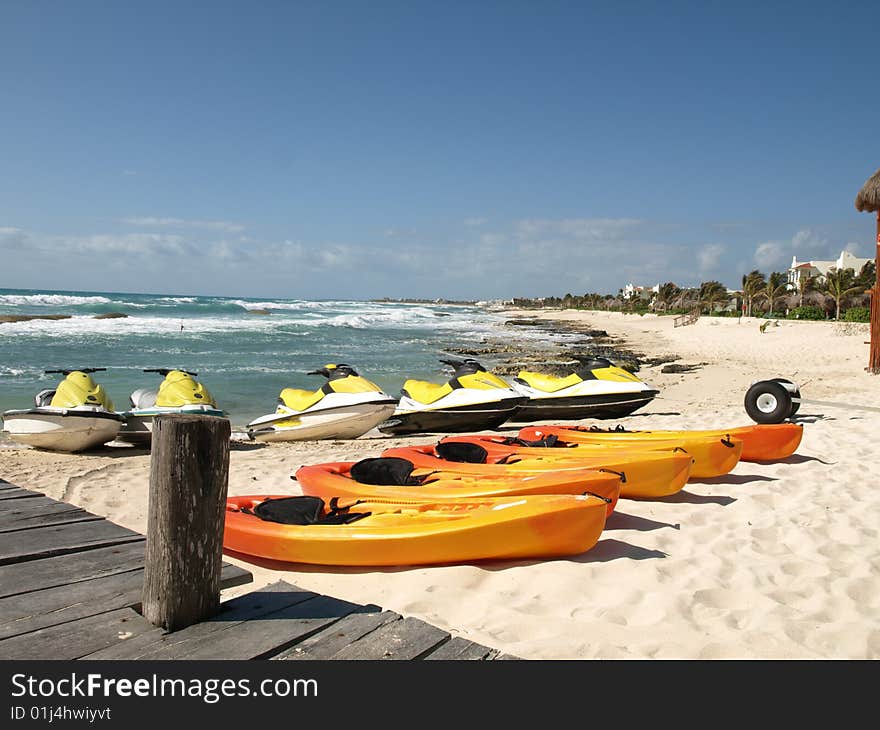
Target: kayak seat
x: 298, y: 399
x: 549, y: 383
x: 425, y: 392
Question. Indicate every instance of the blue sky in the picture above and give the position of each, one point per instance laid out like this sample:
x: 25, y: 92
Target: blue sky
x: 429, y: 149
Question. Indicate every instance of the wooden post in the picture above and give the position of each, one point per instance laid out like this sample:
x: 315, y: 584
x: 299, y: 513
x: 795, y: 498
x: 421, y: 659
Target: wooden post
x: 189, y: 472
x: 874, y: 355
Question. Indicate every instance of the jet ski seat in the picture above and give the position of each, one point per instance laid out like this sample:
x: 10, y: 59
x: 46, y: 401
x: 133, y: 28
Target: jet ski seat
x: 424, y: 392
x: 548, y: 383
x: 44, y: 397
x: 143, y: 398
x: 300, y: 400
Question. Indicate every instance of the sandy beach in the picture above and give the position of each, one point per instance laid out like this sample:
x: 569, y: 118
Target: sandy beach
x: 770, y: 561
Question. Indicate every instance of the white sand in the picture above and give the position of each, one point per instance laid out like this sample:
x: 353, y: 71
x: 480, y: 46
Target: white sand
x: 771, y: 561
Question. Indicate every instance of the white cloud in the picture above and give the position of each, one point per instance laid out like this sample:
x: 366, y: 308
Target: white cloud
x: 805, y: 244
x: 596, y: 229
x: 150, y: 221
x: 709, y: 257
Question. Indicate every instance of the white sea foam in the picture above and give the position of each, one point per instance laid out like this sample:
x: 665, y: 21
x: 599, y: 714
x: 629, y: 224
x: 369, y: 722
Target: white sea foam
x: 50, y: 300
x: 291, y: 305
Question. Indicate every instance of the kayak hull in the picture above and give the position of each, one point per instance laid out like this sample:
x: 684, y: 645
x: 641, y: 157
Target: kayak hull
x: 411, y: 532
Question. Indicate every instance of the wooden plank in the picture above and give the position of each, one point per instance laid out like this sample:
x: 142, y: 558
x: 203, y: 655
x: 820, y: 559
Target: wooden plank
x: 36, y: 505
x: 76, y: 639
x: 409, y: 638
x: 6, y: 485
x: 333, y: 639
x: 18, y: 493
x: 28, y: 612
x: 17, y: 578
x: 260, y: 638
x: 458, y: 648
x: 159, y: 644
x: 18, y: 522
x: 31, y: 611
x: 61, y: 539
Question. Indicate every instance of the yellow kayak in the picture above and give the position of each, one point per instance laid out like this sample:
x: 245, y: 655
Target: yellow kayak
x: 713, y: 455
x: 373, y: 532
x: 646, y: 474
x: 761, y: 441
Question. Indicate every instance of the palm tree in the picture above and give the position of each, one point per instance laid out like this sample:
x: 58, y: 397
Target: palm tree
x: 712, y: 292
x: 840, y: 284
x: 751, y: 284
x: 666, y: 295
x: 805, y: 284
x: 867, y: 276
x: 774, y: 286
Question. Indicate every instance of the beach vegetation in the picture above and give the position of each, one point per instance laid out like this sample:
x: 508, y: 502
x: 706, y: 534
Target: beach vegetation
x: 752, y: 283
x: 839, y: 285
x: 773, y: 288
x: 808, y: 311
x: 857, y: 314
x: 712, y: 293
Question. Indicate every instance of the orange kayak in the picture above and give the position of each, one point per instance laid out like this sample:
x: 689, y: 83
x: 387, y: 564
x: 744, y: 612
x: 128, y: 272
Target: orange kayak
x: 713, y: 456
x: 761, y: 441
x: 647, y: 474
x: 430, y: 479
x: 494, y: 480
x: 375, y: 532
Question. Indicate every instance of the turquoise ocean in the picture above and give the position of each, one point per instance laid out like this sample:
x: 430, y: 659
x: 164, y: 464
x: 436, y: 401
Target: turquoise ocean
x: 243, y: 357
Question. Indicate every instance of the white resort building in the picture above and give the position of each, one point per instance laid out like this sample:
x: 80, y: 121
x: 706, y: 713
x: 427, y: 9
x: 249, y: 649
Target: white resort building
x: 818, y: 269
x: 631, y: 291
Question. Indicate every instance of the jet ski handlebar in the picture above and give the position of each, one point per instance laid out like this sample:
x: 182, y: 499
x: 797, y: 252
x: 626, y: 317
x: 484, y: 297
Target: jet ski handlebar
x: 165, y: 371
x: 75, y: 370
x: 468, y: 364
x: 340, y: 371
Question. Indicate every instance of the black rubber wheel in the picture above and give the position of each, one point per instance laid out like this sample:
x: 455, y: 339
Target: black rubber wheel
x: 796, y: 394
x: 768, y: 401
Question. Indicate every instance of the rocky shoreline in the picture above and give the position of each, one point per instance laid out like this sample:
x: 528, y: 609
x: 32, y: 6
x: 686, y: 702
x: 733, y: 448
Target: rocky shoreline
x: 30, y: 317
x: 566, y: 346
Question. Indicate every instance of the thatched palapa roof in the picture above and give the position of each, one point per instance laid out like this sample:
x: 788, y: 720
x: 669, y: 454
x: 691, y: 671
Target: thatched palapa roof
x: 868, y: 199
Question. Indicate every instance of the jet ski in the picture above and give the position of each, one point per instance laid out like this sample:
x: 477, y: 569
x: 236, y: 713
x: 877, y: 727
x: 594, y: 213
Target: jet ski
x: 471, y: 400
x: 345, y: 407
x: 74, y: 416
x: 179, y: 392
x: 597, y: 389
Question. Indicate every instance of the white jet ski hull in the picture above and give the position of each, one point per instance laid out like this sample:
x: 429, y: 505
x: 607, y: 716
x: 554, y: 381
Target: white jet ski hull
x: 588, y: 399
x: 62, y: 429
x: 344, y: 420
x: 462, y: 410
x: 138, y: 428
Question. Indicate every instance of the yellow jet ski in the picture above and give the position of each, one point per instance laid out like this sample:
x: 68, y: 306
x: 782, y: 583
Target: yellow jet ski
x: 345, y: 407
x: 597, y: 389
x: 74, y: 416
x: 473, y: 399
x: 179, y: 392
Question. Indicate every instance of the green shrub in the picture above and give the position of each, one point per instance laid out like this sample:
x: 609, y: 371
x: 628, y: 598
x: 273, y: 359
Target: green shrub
x: 809, y: 311
x: 857, y: 314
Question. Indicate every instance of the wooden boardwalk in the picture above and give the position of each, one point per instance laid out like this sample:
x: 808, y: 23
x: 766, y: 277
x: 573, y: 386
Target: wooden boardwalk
x: 70, y: 588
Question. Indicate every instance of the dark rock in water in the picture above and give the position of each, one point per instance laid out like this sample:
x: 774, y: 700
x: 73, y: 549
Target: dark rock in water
x: 110, y: 315
x: 29, y: 317
x: 675, y: 368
